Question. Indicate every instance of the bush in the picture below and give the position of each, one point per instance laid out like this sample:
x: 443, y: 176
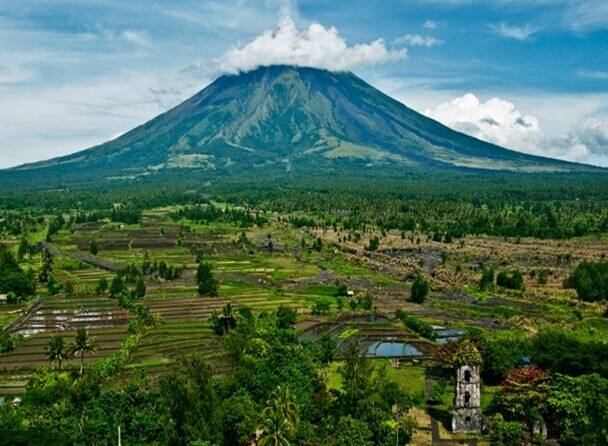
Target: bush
x: 102, y: 285
x: 140, y: 289
x: 513, y: 281
x: 342, y: 290
x: 417, y: 325
x: 321, y: 306
x: 590, y: 279
x: 438, y: 391
x: 365, y: 303
x: 8, y: 342
x: 286, y: 317
x: 207, y: 284
x: 12, y: 277
x: 117, y: 286
x: 19, y: 283
x: 68, y: 288
x: 562, y: 353
x: 543, y: 276
x: 420, y: 289
x: 374, y: 243
x: 487, y: 278
x: 506, y: 433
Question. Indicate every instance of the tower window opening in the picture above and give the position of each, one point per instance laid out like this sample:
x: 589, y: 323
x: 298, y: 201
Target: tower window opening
x: 467, y: 398
x: 467, y: 376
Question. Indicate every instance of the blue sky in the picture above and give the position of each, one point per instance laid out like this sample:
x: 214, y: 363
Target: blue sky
x: 532, y: 76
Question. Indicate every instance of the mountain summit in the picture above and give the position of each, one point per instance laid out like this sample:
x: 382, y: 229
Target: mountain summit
x: 282, y: 115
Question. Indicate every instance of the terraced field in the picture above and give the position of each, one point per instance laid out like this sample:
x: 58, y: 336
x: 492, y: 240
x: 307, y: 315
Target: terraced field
x: 104, y: 319
x: 164, y: 343
x: 378, y: 337
x: 251, y: 275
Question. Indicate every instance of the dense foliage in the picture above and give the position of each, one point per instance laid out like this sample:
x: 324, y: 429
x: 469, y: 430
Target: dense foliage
x: 420, y: 289
x: 278, y: 386
x: 450, y: 204
x: 207, y: 284
x: 590, y: 279
x: 417, y: 325
x: 212, y: 214
x: 12, y: 278
x: 513, y: 280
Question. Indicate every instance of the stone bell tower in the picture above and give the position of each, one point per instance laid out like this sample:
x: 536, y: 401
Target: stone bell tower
x: 467, y: 410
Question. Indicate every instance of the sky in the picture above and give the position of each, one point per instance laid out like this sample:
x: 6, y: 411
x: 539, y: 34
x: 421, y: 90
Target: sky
x: 531, y: 76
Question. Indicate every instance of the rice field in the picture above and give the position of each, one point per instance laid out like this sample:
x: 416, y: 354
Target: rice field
x: 251, y: 275
x: 62, y: 316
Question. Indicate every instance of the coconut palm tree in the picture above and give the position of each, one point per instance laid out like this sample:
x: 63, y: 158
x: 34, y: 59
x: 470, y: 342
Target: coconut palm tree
x: 57, y: 351
x: 82, y: 345
x: 286, y: 404
x: 275, y: 428
x: 281, y: 418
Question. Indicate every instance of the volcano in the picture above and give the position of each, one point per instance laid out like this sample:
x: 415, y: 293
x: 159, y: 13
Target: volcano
x: 285, y: 116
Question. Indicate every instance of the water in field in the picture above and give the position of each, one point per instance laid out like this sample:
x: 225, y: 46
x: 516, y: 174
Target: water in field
x: 368, y: 331
x: 371, y: 318
x: 392, y: 349
x: 447, y: 334
x: 320, y: 330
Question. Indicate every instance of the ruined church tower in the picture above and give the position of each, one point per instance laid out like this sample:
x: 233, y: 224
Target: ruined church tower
x: 467, y: 410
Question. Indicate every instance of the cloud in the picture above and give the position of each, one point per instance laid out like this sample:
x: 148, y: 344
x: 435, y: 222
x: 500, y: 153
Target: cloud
x: 592, y: 74
x: 575, y: 15
x: 138, y: 38
x: 498, y: 121
x: 316, y: 47
x: 515, y: 32
x: 418, y: 40
x: 13, y: 74
x: 433, y: 24
x: 585, y: 15
x: 593, y: 133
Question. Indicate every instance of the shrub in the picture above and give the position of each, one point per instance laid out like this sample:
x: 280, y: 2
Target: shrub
x: 342, y: 290
x: 140, y: 289
x: 19, y: 283
x: 374, y: 243
x: 590, y: 279
x: 207, y: 284
x: 513, y: 281
x: 506, y: 433
x: 102, y: 285
x: 286, y: 317
x: 487, y: 278
x: 420, y: 289
x: 117, y: 286
x: 417, y: 325
x: 321, y: 306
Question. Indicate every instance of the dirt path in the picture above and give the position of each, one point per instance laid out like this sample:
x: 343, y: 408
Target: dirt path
x: 108, y: 265
x: 32, y: 309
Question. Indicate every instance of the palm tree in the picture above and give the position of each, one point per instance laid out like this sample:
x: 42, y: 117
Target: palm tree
x: 286, y: 404
x: 275, y: 428
x: 57, y: 351
x: 83, y: 344
x: 281, y: 418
